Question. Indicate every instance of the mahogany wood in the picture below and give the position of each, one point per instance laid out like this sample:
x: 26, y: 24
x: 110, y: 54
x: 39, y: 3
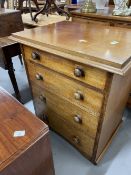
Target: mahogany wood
x: 30, y: 154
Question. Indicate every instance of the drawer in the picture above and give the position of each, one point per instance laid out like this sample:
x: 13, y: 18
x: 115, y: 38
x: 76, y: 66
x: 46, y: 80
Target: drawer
x: 87, y: 74
x: 78, y: 118
x: 80, y: 140
x: 67, y: 88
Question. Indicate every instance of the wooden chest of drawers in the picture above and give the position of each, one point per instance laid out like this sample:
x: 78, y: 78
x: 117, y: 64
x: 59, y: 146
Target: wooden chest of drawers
x: 29, y: 154
x: 76, y: 89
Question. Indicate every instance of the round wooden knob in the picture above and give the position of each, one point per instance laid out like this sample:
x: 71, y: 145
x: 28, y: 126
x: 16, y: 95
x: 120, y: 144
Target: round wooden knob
x: 79, y: 72
x: 78, y: 119
x: 42, y: 98
x: 76, y: 140
x: 78, y: 96
x: 39, y: 76
x: 35, y: 56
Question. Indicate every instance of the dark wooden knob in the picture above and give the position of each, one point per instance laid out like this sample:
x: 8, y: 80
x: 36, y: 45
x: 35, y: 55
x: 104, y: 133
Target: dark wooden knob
x: 39, y: 76
x: 42, y: 98
x: 79, y: 72
x: 35, y: 56
x: 78, y: 95
x: 78, y: 119
x: 76, y: 140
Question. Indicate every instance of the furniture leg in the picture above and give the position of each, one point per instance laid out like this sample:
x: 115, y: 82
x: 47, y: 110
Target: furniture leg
x: 20, y: 58
x: 13, y: 80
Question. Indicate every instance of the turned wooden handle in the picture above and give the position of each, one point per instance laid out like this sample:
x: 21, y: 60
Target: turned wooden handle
x: 79, y: 72
x: 35, y: 56
x: 78, y: 119
x: 39, y: 76
x: 42, y: 98
x: 78, y: 95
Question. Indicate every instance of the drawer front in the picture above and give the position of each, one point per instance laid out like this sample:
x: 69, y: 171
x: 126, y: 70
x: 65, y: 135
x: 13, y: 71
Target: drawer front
x: 78, y: 118
x: 81, y: 141
x: 87, y: 74
x: 66, y: 88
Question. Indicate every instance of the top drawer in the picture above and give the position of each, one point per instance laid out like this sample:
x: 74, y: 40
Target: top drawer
x: 87, y: 74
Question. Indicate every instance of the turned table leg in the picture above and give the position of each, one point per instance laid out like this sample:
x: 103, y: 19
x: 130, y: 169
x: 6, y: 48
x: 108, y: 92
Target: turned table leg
x: 10, y: 69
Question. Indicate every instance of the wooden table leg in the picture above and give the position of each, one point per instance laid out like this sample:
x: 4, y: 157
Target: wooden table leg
x: 9, y: 51
x: 13, y: 79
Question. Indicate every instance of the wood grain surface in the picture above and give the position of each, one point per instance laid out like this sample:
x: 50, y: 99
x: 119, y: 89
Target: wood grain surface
x: 87, y: 125
x: 19, y: 155
x: 88, y: 45
x: 66, y: 88
x: 68, y: 67
x: 83, y: 142
x: 114, y: 108
x: 103, y: 17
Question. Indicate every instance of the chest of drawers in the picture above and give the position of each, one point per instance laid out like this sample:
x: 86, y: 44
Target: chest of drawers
x: 76, y: 84
x: 27, y: 153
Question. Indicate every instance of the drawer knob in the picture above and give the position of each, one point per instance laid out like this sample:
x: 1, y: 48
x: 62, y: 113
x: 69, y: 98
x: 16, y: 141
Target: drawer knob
x: 79, y: 72
x: 42, y: 98
x: 76, y: 140
x: 78, y: 95
x: 35, y: 56
x: 39, y: 76
x: 78, y: 119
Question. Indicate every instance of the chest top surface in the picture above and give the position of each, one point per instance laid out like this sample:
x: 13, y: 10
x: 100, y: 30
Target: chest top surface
x: 102, y: 14
x: 14, y: 117
x: 102, y: 46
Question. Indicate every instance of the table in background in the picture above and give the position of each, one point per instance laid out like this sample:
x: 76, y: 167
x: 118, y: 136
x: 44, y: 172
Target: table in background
x: 42, y: 20
x: 10, y: 22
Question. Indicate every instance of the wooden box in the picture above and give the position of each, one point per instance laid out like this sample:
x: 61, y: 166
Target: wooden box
x: 26, y: 155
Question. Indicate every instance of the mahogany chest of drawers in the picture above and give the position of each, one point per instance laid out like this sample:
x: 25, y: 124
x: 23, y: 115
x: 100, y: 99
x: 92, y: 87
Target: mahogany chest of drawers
x: 29, y: 154
x: 77, y: 81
